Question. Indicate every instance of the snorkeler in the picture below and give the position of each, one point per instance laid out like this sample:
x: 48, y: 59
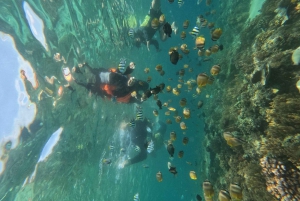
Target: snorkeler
x: 144, y: 141
x: 154, y: 20
x: 111, y: 84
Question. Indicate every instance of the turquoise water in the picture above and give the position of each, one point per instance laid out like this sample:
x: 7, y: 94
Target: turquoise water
x: 54, y: 137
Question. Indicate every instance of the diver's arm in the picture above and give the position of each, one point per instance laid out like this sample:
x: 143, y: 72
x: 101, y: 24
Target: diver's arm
x: 155, y: 4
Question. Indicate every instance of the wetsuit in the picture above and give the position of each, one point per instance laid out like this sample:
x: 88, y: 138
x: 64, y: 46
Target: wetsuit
x: 138, y: 137
x: 143, y: 34
x: 112, y: 84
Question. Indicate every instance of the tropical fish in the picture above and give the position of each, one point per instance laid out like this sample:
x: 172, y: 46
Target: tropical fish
x: 195, y: 31
x: 167, y: 29
x: 180, y: 3
x: 150, y: 147
x: 159, y: 177
x: 137, y: 148
x: 231, y: 140
x: 172, y: 109
x: 186, y: 24
x: 171, y: 149
x: 199, y: 198
x: 155, y: 112
x: 136, y: 197
x: 216, y: 34
x: 193, y: 175
x: 173, y: 136
x: 224, y: 195
x: 106, y: 161
x: 172, y: 169
x: 132, y: 123
x: 131, y: 33
x: 122, y: 65
x: 139, y: 115
x: 174, y: 57
x: 185, y: 140
x: 110, y: 147
x: 208, y: 189
x: 159, y: 104
x: 199, y: 104
x: 180, y: 154
x: 174, y: 27
x: 236, y: 192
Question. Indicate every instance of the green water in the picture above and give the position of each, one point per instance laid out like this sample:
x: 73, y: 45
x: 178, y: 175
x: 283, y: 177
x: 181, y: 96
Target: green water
x: 256, y: 80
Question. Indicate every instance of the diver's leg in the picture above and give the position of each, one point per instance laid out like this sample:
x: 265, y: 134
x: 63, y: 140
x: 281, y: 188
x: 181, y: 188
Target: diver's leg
x: 155, y: 43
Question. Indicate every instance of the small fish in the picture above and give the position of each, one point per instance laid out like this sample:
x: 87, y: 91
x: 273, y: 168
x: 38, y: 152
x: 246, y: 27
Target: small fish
x: 171, y: 149
x: 198, y: 198
x: 224, y: 195
x: 146, y: 95
x: 155, y: 112
x: 150, y: 147
x: 122, y: 65
x: 193, y: 175
x: 195, y: 31
x: 185, y: 140
x: 122, y: 150
x: 173, y: 170
x: 180, y: 154
x: 158, y: 103
x: 167, y: 29
x: 221, y: 47
x: 111, y: 147
x: 136, y: 197
x: 171, y: 1
x: 174, y: 57
x: 236, y: 192
x: 174, y: 27
x: 137, y: 148
x: 231, y: 140
x: 145, y: 166
x: 180, y: 3
x: 106, y: 161
x: 189, y: 163
x: 199, y: 104
x: 172, y: 109
x: 131, y: 33
x: 159, y: 177
x: 139, y: 115
x: 132, y: 123
x: 173, y: 135
x: 155, y: 90
x: 183, y: 35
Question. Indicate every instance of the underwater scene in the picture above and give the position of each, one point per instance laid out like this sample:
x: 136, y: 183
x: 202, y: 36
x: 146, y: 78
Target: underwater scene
x: 188, y: 100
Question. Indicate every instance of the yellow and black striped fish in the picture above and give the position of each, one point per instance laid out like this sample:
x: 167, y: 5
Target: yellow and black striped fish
x: 132, y: 123
x: 139, y: 115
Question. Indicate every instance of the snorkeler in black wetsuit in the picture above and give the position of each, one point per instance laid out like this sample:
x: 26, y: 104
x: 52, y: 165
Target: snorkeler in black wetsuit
x: 148, y: 28
x: 139, y: 135
x: 107, y: 83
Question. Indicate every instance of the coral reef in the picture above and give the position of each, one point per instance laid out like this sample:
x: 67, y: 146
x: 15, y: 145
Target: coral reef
x: 256, y: 100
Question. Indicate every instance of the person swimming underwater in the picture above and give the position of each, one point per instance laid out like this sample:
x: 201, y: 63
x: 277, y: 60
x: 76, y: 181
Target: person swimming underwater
x: 143, y: 140
x: 111, y: 84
